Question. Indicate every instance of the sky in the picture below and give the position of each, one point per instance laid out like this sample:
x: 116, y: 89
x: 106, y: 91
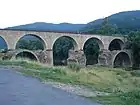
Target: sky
x: 18, y: 12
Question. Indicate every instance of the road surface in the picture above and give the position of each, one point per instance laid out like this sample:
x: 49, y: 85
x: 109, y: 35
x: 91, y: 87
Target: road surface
x: 17, y: 89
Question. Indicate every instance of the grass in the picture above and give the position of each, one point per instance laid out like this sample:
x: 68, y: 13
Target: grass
x: 123, y: 86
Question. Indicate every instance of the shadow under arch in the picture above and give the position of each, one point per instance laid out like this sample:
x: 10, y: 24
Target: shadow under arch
x: 3, y: 43
x: 61, y: 48
x: 92, y: 48
x: 122, y: 59
x: 116, y: 44
x: 26, y: 54
x: 31, y: 42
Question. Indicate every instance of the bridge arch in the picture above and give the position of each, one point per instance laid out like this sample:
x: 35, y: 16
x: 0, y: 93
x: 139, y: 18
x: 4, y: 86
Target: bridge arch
x: 3, y: 43
x: 74, y: 42
x: 100, y: 42
x: 122, y: 59
x: 26, y: 54
x: 61, y: 47
x: 31, y: 36
x: 116, y: 44
x: 91, y: 48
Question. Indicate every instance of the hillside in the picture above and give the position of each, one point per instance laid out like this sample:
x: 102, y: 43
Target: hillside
x: 123, y: 22
x: 42, y: 26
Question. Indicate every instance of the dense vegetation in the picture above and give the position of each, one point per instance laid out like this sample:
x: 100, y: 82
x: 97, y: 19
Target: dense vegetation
x: 134, y: 44
x: 30, y: 45
x: 60, y: 50
x: 91, y: 50
x: 30, y: 42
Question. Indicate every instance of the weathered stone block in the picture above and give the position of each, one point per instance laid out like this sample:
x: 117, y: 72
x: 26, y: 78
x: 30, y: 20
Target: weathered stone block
x: 44, y: 56
x: 76, y: 57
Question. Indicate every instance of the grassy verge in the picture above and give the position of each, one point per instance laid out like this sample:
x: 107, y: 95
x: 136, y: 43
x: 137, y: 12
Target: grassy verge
x: 123, y: 86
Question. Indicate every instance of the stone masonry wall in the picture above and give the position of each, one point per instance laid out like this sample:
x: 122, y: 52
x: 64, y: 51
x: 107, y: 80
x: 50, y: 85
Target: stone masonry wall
x: 76, y: 57
x: 106, y: 57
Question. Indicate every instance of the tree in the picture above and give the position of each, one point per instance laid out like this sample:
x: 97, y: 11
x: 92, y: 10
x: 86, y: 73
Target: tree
x: 61, y: 49
x: 106, y: 28
x: 134, y: 44
x: 31, y: 44
x: 91, y: 50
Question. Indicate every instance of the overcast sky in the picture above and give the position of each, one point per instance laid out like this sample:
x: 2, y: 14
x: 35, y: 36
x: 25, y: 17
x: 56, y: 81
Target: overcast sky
x: 16, y: 12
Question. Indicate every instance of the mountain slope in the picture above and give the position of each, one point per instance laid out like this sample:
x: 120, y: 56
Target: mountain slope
x: 42, y: 26
x: 124, y: 22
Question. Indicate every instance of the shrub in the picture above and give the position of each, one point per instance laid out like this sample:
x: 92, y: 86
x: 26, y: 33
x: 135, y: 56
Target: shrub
x: 128, y: 68
x: 135, y: 73
x: 131, y: 98
x: 74, y: 66
x: 58, y: 71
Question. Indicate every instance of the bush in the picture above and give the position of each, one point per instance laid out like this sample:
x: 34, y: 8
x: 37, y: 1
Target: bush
x: 135, y: 73
x: 57, y: 71
x: 128, y: 68
x: 131, y: 98
x: 74, y: 66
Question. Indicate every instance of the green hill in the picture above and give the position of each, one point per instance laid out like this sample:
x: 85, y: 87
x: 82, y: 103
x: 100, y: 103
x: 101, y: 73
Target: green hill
x: 122, y: 22
x: 42, y: 26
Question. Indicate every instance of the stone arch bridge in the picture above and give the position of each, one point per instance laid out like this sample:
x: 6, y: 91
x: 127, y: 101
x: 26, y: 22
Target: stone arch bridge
x: 112, y: 52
